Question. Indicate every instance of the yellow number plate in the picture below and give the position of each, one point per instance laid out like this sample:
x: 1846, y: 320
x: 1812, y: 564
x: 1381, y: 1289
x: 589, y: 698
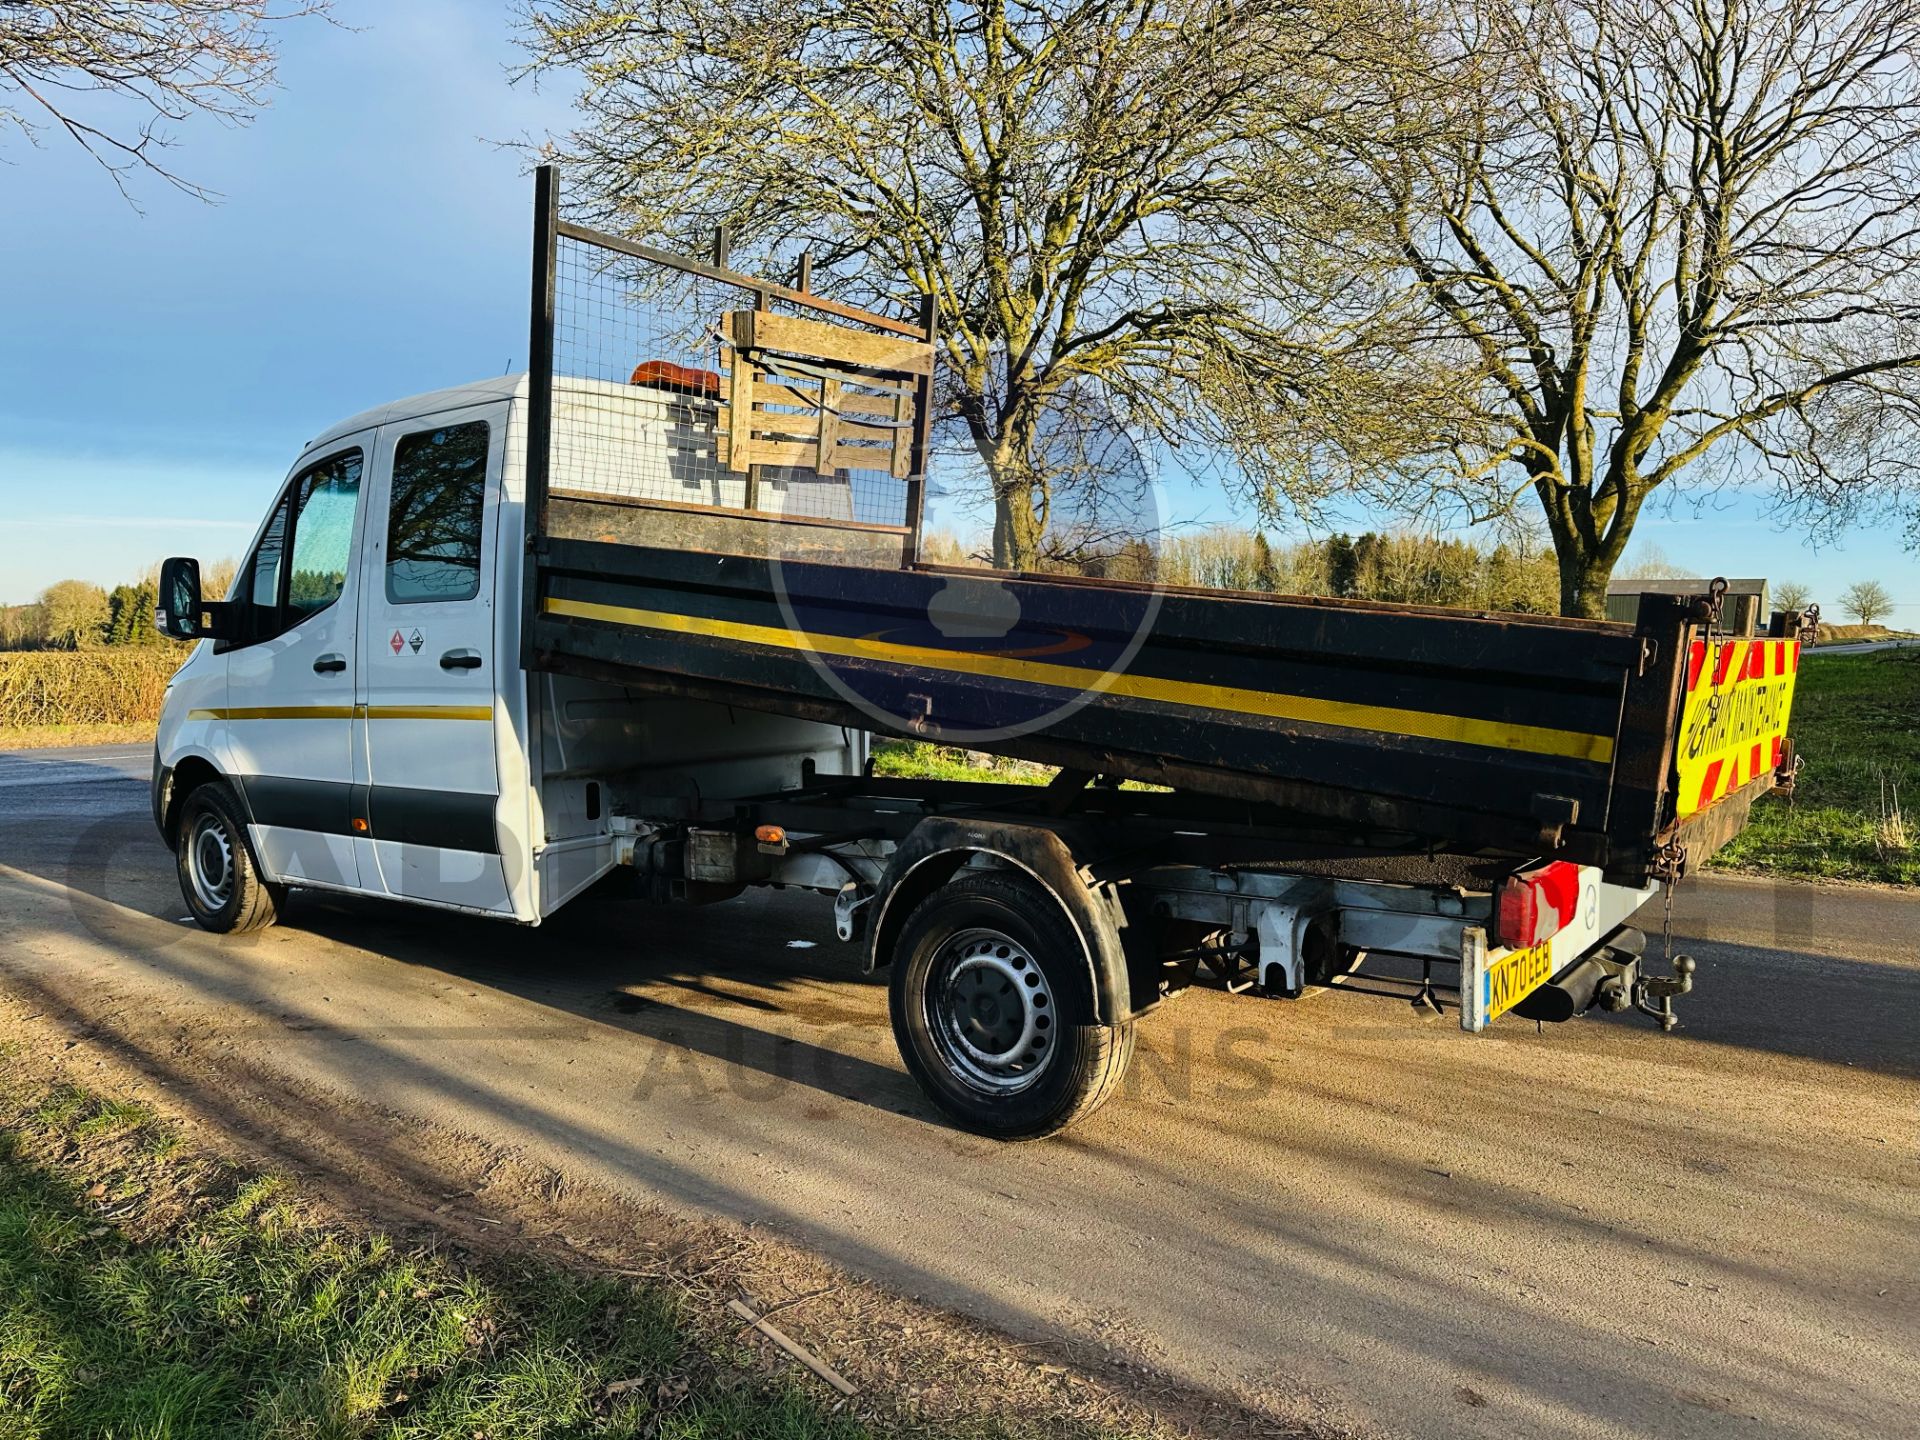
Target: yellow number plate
x: 1514, y: 976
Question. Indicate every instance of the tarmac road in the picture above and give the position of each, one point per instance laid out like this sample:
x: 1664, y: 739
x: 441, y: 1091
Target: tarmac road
x: 1859, y: 647
x: 1358, y: 1215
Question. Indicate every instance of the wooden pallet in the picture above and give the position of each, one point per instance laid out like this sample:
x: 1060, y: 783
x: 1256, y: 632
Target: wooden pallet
x: 796, y: 393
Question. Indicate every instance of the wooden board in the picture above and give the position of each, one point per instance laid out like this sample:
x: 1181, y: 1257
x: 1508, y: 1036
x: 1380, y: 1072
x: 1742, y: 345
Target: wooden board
x: 836, y: 344
x: 816, y: 433
x: 829, y: 426
x: 803, y: 454
x: 852, y: 402
x: 807, y: 426
x: 577, y: 516
x: 903, y: 444
x: 740, y: 419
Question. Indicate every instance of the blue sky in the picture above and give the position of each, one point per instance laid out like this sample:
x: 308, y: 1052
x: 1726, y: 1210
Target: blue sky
x: 159, y: 371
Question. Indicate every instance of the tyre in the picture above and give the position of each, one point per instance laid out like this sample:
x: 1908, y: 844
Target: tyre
x: 993, y: 1009
x: 219, y: 877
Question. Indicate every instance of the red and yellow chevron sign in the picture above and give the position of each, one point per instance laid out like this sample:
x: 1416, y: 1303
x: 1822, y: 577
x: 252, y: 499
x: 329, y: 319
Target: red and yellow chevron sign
x: 1734, y: 719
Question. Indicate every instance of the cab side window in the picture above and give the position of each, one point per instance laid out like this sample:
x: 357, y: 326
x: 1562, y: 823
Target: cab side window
x: 323, y: 535
x: 299, y: 567
x: 434, y: 519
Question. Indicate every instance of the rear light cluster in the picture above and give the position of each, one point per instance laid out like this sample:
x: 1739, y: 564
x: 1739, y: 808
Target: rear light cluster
x: 1534, y: 905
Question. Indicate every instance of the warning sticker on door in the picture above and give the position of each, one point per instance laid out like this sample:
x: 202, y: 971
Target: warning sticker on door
x: 415, y: 641
x: 398, y: 642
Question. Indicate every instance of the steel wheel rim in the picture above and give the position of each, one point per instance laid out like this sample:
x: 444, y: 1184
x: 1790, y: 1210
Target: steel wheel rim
x: 210, y: 862
x: 990, y: 1012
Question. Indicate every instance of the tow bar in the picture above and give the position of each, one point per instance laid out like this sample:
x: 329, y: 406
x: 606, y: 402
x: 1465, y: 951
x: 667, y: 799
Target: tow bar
x: 1610, y: 979
x: 1653, y: 995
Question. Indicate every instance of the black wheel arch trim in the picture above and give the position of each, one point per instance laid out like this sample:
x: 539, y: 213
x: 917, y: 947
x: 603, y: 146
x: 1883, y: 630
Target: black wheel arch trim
x: 940, y: 846
x: 173, y: 783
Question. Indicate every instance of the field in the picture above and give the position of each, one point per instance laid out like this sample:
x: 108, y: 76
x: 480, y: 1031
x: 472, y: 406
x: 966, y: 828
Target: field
x: 1854, y: 634
x: 1856, y: 813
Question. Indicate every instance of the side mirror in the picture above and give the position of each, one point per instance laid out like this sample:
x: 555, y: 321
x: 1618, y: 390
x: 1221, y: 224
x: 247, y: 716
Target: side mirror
x: 179, y: 611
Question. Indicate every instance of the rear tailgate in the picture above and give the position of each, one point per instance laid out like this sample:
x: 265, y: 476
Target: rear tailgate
x: 1730, y: 747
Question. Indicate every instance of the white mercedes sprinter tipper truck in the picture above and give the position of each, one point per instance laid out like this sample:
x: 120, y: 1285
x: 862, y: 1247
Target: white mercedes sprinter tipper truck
x: 638, y: 611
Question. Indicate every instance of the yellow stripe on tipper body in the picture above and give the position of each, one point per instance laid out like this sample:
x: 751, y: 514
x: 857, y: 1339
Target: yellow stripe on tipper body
x: 1342, y: 714
x: 345, y: 712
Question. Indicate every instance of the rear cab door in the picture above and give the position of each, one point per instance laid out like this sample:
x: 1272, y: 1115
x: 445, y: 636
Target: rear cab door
x: 430, y: 665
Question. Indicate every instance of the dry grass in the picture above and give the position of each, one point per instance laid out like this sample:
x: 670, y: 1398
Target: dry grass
x: 1831, y: 634
x: 119, y: 687
x: 1892, y: 837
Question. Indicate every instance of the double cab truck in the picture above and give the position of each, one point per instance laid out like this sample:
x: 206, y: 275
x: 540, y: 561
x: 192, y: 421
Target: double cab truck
x: 635, y: 616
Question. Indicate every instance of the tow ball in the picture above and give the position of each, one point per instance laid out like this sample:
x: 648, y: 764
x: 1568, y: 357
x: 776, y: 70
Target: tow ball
x: 1654, y: 993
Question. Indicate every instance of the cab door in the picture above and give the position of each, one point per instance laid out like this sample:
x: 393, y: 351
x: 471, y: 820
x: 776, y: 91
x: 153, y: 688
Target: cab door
x: 429, y: 663
x: 292, y: 672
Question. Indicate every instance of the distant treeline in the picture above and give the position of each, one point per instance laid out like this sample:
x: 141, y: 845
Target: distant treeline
x: 77, y: 615
x: 1408, y: 568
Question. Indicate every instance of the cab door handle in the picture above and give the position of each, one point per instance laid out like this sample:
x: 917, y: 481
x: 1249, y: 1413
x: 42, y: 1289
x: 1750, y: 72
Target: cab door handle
x: 330, y: 664
x: 460, y: 660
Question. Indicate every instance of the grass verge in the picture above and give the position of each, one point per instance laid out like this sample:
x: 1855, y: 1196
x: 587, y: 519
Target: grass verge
x: 917, y: 760
x: 150, y: 1291
x: 1856, y: 728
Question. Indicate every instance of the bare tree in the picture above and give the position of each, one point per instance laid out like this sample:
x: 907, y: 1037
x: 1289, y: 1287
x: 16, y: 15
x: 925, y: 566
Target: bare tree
x: 112, y: 74
x: 1124, y: 196
x: 1649, y: 562
x: 1867, y: 601
x: 22, y: 627
x: 1679, y: 241
x: 1792, y: 595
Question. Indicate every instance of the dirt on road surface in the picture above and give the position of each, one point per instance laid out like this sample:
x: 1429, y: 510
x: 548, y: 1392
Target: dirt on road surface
x: 1334, y: 1209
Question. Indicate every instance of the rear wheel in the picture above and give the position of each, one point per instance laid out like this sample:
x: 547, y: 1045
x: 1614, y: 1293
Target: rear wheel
x: 993, y: 1009
x: 219, y: 878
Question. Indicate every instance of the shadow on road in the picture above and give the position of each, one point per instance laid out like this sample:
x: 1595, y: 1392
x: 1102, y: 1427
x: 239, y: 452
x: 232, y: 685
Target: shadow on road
x: 1771, y: 999
x: 1282, y: 1218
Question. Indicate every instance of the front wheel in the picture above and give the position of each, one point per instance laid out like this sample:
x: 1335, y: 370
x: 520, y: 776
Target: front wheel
x: 993, y: 1009
x: 219, y: 878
